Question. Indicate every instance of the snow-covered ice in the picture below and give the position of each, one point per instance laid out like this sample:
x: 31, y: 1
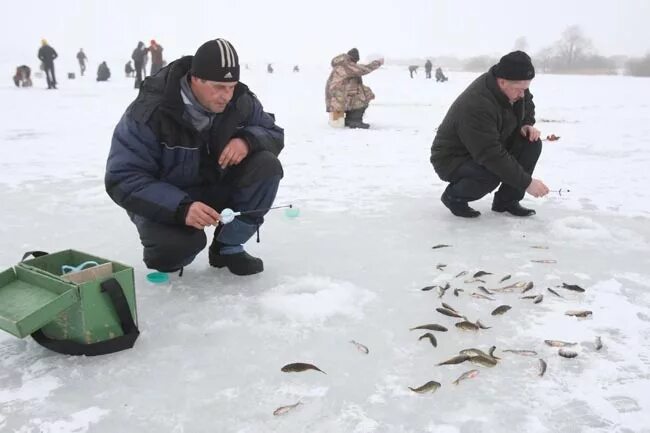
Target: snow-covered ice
x: 349, y: 268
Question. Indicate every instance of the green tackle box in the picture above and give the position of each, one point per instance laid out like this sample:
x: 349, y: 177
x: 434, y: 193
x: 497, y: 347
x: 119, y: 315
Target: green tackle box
x: 91, y: 311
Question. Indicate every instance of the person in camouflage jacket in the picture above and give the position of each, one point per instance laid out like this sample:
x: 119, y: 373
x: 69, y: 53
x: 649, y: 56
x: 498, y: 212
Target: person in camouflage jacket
x: 345, y: 90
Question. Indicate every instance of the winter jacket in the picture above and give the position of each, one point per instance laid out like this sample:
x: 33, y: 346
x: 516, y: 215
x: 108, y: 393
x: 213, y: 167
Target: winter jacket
x: 480, y: 125
x: 47, y: 54
x: 156, y: 54
x: 158, y: 161
x: 344, y: 90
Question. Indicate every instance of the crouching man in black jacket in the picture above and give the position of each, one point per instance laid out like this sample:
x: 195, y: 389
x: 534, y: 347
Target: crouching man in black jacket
x: 487, y: 138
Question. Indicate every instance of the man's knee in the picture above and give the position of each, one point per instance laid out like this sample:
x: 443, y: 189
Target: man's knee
x: 536, y: 147
x: 169, y: 248
x: 259, y: 166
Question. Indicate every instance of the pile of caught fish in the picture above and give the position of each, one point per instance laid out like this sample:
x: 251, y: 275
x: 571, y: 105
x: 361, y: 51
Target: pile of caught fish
x: 463, y: 323
x: 477, y: 356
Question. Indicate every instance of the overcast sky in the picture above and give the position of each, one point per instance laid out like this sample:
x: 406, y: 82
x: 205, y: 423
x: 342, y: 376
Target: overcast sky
x: 314, y: 31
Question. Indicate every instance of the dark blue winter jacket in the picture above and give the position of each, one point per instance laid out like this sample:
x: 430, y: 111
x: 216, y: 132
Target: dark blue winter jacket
x: 158, y: 162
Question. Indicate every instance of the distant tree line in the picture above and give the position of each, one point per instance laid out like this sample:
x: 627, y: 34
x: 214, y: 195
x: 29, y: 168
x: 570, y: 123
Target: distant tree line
x: 638, y: 67
x: 573, y: 53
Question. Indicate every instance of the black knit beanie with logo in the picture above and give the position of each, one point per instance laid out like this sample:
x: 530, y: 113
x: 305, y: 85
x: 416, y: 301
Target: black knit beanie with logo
x: 216, y: 60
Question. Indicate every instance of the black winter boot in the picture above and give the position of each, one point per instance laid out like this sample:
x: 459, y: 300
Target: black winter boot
x: 513, y: 208
x: 239, y: 263
x: 354, y: 119
x: 459, y: 208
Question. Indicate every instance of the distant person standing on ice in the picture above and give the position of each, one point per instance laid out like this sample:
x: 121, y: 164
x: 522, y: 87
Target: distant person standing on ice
x: 195, y: 141
x: 156, y: 51
x: 488, y: 139
x: 47, y: 54
x: 345, y: 92
x: 427, y: 68
x: 138, y: 56
x: 82, y: 59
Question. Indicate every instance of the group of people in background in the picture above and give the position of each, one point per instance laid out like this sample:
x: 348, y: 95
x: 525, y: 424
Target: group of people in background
x: 47, y: 54
x: 140, y: 59
x: 428, y: 67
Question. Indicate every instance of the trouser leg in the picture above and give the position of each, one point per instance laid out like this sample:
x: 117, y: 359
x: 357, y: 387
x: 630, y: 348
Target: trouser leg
x: 527, y: 154
x: 167, y: 247
x: 471, y: 181
x: 251, y: 185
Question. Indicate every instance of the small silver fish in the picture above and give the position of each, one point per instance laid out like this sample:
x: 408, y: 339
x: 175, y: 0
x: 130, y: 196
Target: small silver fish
x: 538, y: 299
x: 284, y: 409
x: 598, y: 343
x: 484, y: 290
x: 360, y: 347
x: 298, y: 367
x: 442, y: 291
x: 481, y: 274
x: 567, y: 353
x: 481, y: 325
x: 507, y: 277
x: 540, y: 247
x: 467, y: 326
x: 467, y: 375
x: 528, y: 286
x: 501, y: 309
x: 455, y: 360
x: 579, y: 313
x: 475, y: 352
x: 542, y: 367
x: 449, y: 313
x: 544, y: 261
x: 431, y: 337
x: 441, y: 266
x: 559, y: 343
x: 457, y: 291
x: 491, y: 352
x: 474, y: 280
x: 431, y: 386
x: 573, y: 287
x: 449, y: 307
x: 554, y: 292
x: 427, y: 288
x: 431, y: 327
x: 435, y: 247
x: 485, y: 361
x: 480, y: 296
x: 529, y: 297
x: 460, y: 274
x: 521, y: 352
x: 511, y: 287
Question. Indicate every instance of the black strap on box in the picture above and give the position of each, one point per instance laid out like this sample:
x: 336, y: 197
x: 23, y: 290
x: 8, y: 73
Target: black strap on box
x: 126, y: 341
x: 33, y: 253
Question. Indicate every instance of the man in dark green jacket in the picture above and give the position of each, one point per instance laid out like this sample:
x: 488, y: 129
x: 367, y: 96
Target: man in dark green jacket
x: 487, y: 138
